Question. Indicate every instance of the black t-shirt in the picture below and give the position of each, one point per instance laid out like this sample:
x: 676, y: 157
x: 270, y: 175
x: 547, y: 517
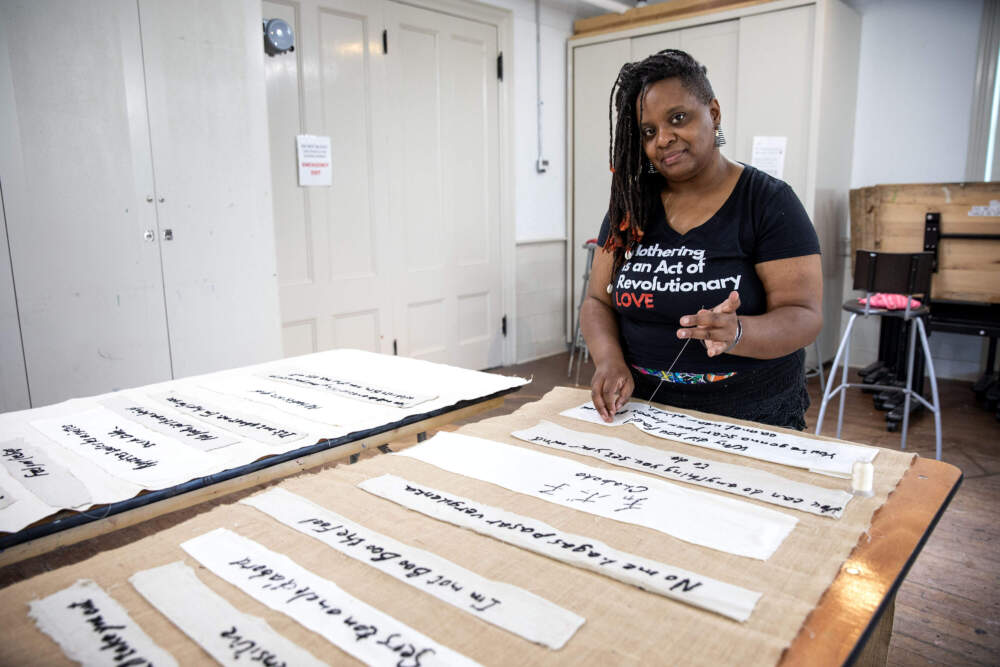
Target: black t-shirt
x: 671, y: 275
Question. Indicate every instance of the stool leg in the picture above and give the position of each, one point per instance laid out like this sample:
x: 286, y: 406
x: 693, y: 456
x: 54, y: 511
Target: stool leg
x: 911, y: 349
x: 934, y: 389
x: 819, y: 363
x: 843, y: 392
x: 828, y: 392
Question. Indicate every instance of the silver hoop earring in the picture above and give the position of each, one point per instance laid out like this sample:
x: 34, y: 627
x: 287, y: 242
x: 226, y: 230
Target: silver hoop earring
x: 650, y: 168
x: 720, y: 137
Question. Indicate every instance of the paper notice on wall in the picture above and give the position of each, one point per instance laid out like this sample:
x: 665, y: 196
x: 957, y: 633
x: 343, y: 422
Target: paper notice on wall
x: 314, y: 160
x: 578, y: 550
x: 736, y: 479
x: 93, y: 629
x: 768, y: 155
x: 359, y: 629
x: 227, y: 634
x: 505, y: 605
x: 727, y: 524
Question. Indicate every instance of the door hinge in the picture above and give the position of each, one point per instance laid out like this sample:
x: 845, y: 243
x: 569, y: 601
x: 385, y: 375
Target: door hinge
x: 395, y: 348
x: 385, y: 41
x: 500, y: 65
x: 503, y: 326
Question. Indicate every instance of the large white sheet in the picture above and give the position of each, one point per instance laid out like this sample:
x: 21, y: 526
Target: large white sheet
x: 93, y: 629
x: 317, y: 414
x: 51, y: 483
x: 277, y: 581
x: 675, y: 583
x: 738, y: 480
x: 729, y: 525
x: 223, y: 631
x: 826, y: 456
x: 509, y: 607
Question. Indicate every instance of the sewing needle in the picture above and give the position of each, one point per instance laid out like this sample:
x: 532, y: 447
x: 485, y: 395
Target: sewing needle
x: 672, y: 364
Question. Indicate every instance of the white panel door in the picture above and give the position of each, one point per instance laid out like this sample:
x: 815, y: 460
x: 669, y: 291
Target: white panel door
x: 76, y: 173
x: 595, y: 69
x: 775, y: 89
x: 334, y: 267
x: 208, y: 128
x: 442, y: 127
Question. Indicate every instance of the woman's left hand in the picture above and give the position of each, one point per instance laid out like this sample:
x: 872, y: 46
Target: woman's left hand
x: 716, y: 327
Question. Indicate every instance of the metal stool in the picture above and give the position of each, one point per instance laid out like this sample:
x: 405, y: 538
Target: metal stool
x: 897, y: 273
x: 579, y: 346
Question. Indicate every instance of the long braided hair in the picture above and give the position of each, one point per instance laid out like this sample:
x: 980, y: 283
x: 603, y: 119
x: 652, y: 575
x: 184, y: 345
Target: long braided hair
x: 634, y: 190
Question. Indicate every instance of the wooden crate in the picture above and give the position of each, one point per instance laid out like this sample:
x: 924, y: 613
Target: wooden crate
x: 890, y: 218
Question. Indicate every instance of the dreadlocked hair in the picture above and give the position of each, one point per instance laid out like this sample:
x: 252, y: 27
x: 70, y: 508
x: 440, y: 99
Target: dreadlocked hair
x: 635, y: 191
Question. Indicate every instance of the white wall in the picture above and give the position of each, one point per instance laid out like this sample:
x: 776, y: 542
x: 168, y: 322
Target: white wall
x: 540, y: 204
x: 915, y: 84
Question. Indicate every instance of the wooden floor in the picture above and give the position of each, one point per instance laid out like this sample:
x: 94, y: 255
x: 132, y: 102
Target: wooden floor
x: 948, y: 609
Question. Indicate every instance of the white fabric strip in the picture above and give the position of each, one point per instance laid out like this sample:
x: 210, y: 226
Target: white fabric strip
x: 50, y: 482
x: 226, y: 633
x: 673, y: 582
x: 185, y: 429
x: 726, y: 524
x: 359, y: 390
x: 278, y: 582
x: 6, y: 500
x: 92, y: 629
x: 758, y: 443
x: 509, y: 607
x: 241, y: 423
x: 738, y: 480
x: 125, y: 449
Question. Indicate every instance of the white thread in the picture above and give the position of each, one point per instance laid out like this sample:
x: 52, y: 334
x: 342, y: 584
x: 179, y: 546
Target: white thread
x: 862, y: 476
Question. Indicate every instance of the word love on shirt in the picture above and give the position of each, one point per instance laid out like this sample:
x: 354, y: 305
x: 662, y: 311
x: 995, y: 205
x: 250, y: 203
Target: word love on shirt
x: 358, y: 390
x: 92, y: 629
x: 672, y: 582
x: 242, y: 424
x: 226, y: 633
x: 504, y: 605
x: 738, y: 480
x: 186, y: 430
x: 726, y: 524
x: 825, y: 456
x: 48, y: 481
x: 277, y: 581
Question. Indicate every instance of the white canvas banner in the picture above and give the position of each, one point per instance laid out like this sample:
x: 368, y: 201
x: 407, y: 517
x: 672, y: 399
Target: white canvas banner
x: 48, y: 481
x: 735, y: 479
x: 509, y: 607
x: 672, y: 582
x: 360, y: 390
x: 6, y: 500
x: 758, y: 443
x: 277, y: 581
x: 184, y: 429
x: 227, y: 634
x: 93, y: 629
x: 125, y: 449
x: 235, y: 421
x: 726, y: 524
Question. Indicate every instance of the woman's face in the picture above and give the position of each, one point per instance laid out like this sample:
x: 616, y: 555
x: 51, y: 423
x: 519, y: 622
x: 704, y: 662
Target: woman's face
x: 677, y: 130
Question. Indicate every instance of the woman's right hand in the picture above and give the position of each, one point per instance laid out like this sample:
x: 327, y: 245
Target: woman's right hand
x: 611, y: 387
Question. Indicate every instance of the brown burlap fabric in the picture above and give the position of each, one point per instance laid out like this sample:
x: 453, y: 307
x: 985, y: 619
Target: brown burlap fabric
x: 624, y: 625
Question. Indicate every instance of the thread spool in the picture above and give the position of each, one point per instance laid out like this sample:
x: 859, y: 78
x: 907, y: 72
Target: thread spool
x: 862, y: 478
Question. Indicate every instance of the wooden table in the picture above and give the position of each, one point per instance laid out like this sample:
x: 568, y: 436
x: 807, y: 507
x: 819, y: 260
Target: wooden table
x: 71, y: 527
x: 853, y: 622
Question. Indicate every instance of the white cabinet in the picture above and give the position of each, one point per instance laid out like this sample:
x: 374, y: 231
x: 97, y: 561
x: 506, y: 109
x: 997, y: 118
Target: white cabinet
x: 136, y: 191
x: 785, y: 68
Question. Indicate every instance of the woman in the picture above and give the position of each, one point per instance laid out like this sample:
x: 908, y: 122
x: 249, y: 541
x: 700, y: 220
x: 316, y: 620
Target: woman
x: 696, y: 246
